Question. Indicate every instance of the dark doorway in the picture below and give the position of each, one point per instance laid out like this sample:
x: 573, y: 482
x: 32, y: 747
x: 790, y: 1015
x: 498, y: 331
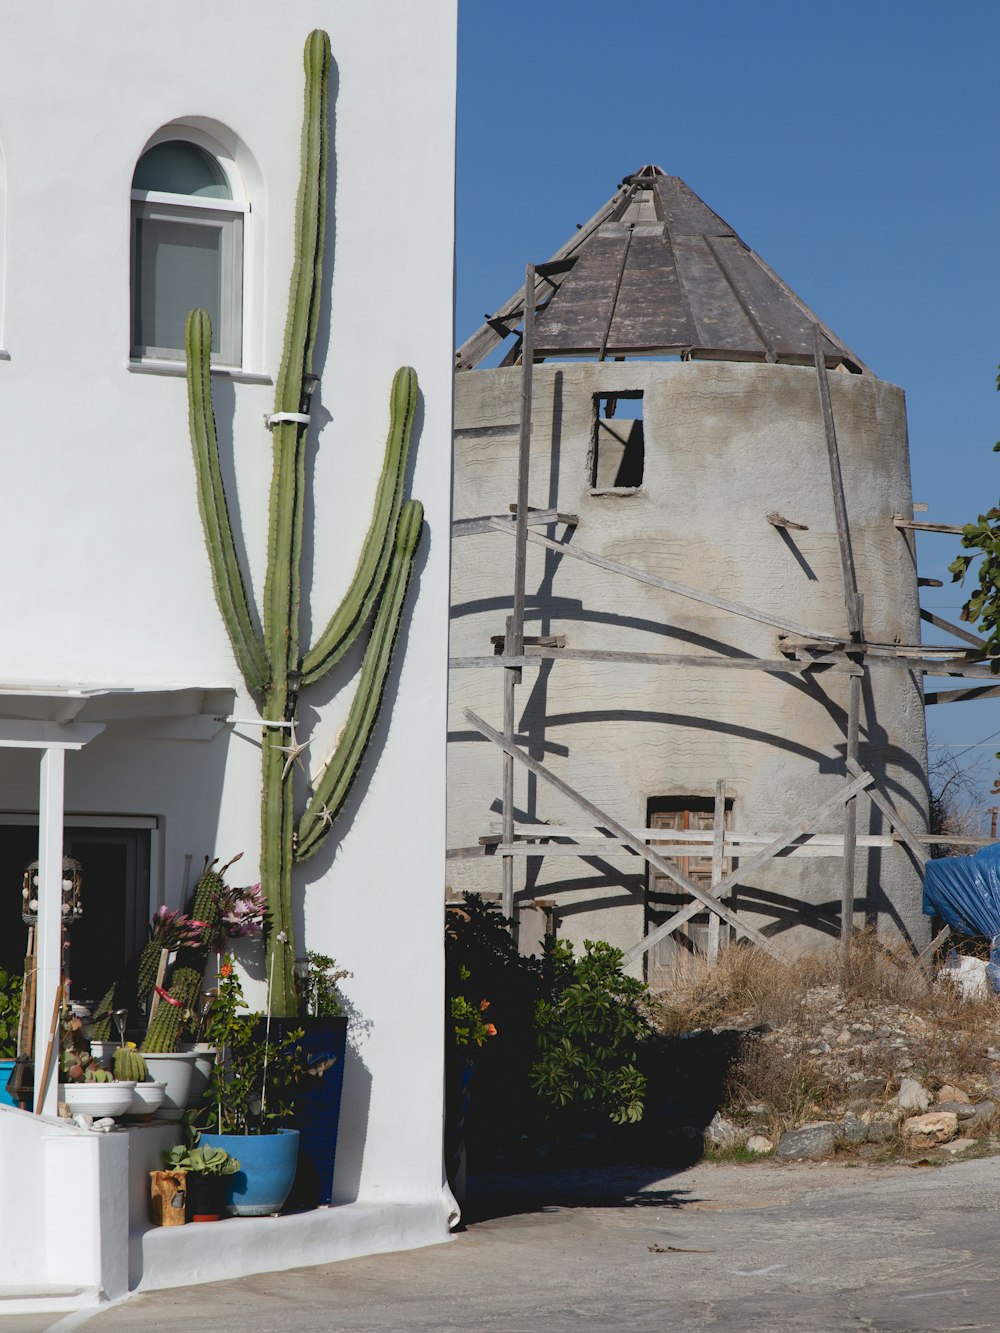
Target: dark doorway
x: 116, y: 867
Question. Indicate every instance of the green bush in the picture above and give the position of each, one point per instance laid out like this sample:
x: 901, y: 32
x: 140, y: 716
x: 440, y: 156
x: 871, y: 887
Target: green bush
x: 567, y: 1032
x: 588, y: 1035
x: 10, y: 1013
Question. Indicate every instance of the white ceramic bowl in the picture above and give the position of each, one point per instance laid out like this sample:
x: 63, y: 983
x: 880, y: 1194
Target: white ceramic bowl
x: 148, y: 1098
x: 97, y: 1099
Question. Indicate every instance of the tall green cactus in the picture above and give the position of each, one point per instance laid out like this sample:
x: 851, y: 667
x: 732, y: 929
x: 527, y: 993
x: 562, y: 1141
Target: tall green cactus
x: 180, y: 1001
x: 272, y: 662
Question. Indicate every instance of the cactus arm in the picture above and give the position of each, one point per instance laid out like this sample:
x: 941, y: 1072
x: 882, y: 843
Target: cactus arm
x: 338, y: 775
x: 349, y: 618
x: 282, y: 584
x: 230, y: 589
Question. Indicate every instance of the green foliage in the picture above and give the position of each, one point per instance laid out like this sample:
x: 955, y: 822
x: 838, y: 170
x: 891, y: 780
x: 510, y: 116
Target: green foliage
x: 568, y: 1031
x: 269, y: 657
x: 588, y: 1036
x: 254, y: 1082
x: 317, y: 986
x: 11, y: 986
x: 983, y: 606
x: 204, y: 1161
x: 468, y: 1017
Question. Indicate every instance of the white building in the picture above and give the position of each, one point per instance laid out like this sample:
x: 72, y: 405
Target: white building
x: 111, y: 639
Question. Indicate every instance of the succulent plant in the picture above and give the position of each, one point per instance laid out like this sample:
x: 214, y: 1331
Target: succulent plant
x: 129, y: 1065
x: 270, y: 658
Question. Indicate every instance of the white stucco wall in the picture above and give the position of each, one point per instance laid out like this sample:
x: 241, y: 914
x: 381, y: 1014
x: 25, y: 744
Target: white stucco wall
x: 107, y: 580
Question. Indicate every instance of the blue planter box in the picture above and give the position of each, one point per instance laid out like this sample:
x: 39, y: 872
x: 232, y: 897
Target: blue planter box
x: 317, y: 1110
x: 267, y: 1169
x: 6, y: 1069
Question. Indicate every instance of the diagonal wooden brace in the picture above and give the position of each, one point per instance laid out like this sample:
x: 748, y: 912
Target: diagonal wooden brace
x: 782, y: 841
x: 896, y: 820
x: 603, y: 819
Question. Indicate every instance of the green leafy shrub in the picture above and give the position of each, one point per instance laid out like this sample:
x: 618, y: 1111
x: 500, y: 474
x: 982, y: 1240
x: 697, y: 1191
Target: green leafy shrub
x: 10, y: 1013
x: 588, y: 1035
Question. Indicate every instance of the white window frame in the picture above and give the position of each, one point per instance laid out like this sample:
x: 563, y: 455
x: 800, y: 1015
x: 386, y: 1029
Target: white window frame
x: 229, y: 216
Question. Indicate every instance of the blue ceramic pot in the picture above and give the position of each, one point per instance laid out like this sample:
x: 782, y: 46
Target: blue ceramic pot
x: 267, y: 1169
x: 6, y: 1069
x: 317, y: 1105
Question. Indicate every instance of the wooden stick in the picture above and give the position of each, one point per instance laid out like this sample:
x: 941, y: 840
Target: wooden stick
x: 161, y: 972
x: 960, y: 696
x: 935, y: 943
x: 641, y: 576
x: 26, y: 1020
x: 605, y: 820
x: 752, y: 865
x: 718, y: 850
x: 951, y: 628
x: 40, y: 1087
x: 780, y: 666
x: 852, y: 597
x: 850, y: 817
x: 897, y: 821
x: 914, y: 526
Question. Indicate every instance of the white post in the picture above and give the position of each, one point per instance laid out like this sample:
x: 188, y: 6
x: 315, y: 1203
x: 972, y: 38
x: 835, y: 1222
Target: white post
x: 49, y: 932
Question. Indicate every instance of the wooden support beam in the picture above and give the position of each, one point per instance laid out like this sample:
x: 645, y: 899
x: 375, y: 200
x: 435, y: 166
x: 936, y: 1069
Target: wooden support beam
x: 896, y: 820
x: 960, y: 696
x: 715, y: 925
x: 935, y: 943
x: 959, y: 631
x: 538, y: 518
x: 750, y: 867
x: 778, y: 666
x: 852, y: 596
x: 604, y: 820
x: 850, y: 817
x: 641, y: 576
x: 913, y: 525
x: 778, y: 521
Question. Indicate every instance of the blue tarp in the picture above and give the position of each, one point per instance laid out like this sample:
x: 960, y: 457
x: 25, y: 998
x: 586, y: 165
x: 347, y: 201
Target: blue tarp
x: 964, y: 891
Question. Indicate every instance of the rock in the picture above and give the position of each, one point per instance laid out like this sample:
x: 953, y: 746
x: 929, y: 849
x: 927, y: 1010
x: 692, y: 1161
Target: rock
x: 958, y: 1146
x: 844, y: 1038
x: 881, y: 1129
x: 927, y: 1131
x: 951, y: 1093
x: 964, y: 1110
x: 722, y: 1133
x: 913, y: 1096
x: 865, y: 1086
x: 808, y: 1142
x: 854, y: 1129
x: 759, y: 1143
x: 981, y: 1113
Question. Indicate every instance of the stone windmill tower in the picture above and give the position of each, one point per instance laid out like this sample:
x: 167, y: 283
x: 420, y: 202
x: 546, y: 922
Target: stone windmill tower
x: 717, y: 637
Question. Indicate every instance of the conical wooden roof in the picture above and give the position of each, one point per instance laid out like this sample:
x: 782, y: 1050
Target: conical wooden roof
x: 655, y: 272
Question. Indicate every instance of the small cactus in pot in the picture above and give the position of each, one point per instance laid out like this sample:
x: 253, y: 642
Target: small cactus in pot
x: 129, y: 1066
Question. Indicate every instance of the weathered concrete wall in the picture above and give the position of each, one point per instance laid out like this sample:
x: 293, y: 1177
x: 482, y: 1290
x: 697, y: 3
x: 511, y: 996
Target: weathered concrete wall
x: 725, y: 445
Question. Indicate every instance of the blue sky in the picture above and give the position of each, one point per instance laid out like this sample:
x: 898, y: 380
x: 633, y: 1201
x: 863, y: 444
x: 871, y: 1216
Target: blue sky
x: 855, y: 147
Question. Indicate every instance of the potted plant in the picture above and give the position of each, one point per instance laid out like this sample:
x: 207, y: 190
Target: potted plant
x: 87, y: 1088
x: 128, y: 1065
x: 207, y: 1172
x: 250, y: 1098
x: 10, y: 1016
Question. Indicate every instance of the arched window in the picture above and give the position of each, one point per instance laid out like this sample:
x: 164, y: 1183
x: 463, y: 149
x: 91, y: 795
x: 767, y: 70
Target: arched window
x: 187, y: 250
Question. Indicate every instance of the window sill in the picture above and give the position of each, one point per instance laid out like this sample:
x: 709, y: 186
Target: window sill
x: 616, y: 490
x: 178, y: 370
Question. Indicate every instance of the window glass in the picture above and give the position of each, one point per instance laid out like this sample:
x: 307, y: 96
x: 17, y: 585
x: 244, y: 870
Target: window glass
x: 178, y: 266
x: 178, y: 167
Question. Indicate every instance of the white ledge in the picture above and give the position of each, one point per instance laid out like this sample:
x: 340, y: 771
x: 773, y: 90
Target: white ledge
x: 178, y: 371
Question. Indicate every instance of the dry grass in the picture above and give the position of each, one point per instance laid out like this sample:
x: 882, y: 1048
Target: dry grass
x: 837, y: 1031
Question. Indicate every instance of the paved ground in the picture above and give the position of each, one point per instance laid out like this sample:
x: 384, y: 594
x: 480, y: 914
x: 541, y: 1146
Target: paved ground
x: 817, y: 1249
